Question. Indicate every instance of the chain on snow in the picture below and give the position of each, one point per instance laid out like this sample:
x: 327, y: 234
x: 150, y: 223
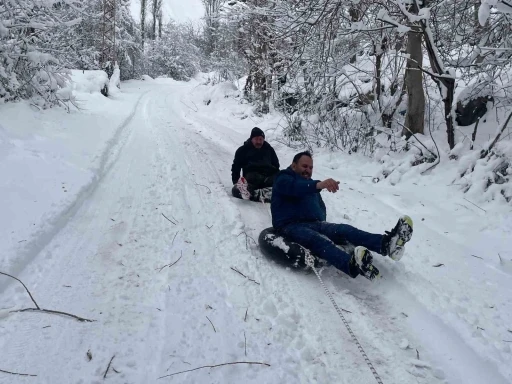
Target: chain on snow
x: 310, y: 262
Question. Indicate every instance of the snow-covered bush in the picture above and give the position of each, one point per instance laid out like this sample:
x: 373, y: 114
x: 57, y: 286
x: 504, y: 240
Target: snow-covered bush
x: 173, y: 54
x: 26, y: 70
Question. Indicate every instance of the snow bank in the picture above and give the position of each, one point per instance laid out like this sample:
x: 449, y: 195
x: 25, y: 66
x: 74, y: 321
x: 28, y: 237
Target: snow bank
x: 220, y: 91
x: 88, y: 81
x: 49, y: 159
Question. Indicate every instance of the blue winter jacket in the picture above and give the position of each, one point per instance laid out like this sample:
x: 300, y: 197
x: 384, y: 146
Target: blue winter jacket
x: 295, y: 199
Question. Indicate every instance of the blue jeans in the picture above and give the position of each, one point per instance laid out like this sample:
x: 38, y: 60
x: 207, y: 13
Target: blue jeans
x: 321, y: 237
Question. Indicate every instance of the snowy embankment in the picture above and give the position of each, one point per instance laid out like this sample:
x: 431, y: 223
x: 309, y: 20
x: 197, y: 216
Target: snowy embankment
x: 144, y: 238
x: 51, y: 160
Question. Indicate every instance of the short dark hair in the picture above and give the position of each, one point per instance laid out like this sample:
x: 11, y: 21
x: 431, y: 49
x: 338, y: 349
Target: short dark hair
x: 297, y: 157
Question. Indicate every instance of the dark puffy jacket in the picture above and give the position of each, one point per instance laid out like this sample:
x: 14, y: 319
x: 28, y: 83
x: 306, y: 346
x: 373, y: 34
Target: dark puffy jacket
x: 251, y: 159
x: 295, y: 199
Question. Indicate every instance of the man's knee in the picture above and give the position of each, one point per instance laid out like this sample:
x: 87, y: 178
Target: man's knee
x: 254, y: 178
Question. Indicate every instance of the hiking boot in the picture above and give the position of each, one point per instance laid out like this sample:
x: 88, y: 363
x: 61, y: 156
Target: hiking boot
x: 394, y: 241
x: 363, y: 258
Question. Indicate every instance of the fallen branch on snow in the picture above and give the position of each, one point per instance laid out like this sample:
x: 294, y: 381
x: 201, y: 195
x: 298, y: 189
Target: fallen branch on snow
x: 17, y: 374
x: 84, y: 320
x: 108, y: 367
x: 168, y: 219
x: 248, y: 278
x: 174, y: 238
x: 247, y: 237
x: 211, y: 324
x: 24, y: 286
x: 39, y: 309
x: 475, y: 205
x: 171, y: 264
x: 245, y: 344
x: 209, y: 190
x: 215, y: 366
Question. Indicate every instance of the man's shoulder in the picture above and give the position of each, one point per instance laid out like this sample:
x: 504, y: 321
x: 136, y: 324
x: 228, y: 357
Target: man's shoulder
x: 267, y: 145
x: 286, y: 172
x: 241, y: 148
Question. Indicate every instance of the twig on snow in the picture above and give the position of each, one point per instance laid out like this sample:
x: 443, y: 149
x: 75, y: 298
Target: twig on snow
x: 417, y: 355
x: 171, y: 264
x: 38, y: 308
x: 478, y: 257
x: 24, y: 286
x: 213, y: 326
x: 209, y: 190
x: 168, y: 219
x: 51, y: 311
x: 181, y: 101
x: 245, y: 318
x: 475, y: 205
x: 215, y: 366
x: 438, y: 265
x: 174, y: 238
x: 248, y: 278
x: 245, y: 344
x: 108, y: 367
x: 247, y: 237
x: 17, y: 374
x: 501, y: 261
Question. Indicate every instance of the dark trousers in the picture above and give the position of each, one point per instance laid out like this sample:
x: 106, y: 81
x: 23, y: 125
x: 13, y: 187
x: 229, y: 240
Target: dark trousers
x: 258, y: 180
x: 321, y: 238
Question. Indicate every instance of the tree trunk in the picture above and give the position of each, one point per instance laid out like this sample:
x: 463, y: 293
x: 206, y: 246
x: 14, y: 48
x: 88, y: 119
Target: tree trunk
x: 154, y: 12
x: 355, y: 15
x: 143, y: 5
x: 415, y: 117
x: 160, y: 17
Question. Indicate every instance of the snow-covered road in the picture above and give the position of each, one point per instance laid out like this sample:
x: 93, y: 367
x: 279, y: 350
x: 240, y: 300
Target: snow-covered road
x: 149, y: 252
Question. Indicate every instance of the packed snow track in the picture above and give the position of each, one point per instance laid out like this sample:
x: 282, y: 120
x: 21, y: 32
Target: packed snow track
x: 164, y: 260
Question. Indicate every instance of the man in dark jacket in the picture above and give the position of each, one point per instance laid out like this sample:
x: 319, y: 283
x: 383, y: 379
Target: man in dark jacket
x: 258, y: 162
x: 299, y: 214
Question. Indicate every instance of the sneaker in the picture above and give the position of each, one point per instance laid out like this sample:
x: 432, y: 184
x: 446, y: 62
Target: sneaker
x: 394, y: 241
x: 242, y: 187
x: 263, y: 195
x: 363, y: 260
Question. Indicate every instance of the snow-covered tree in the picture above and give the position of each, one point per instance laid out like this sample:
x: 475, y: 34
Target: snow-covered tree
x: 27, y: 68
x: 174, y: 53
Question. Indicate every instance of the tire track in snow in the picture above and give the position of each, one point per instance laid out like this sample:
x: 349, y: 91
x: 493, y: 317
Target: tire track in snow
x: 208, y: 229
x: 294, y: 305
x: 381, y: 325
x: 43, y: 237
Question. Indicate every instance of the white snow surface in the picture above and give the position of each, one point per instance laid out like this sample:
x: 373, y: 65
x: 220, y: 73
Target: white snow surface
x: 121, y: 212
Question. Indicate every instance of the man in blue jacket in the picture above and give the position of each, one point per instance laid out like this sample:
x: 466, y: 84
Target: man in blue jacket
x: 299, y: 214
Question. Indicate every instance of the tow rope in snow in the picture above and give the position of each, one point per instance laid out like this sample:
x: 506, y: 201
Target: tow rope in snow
x: 310, y: 262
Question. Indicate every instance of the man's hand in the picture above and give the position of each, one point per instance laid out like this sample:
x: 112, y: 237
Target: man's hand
x: 329, y: 184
